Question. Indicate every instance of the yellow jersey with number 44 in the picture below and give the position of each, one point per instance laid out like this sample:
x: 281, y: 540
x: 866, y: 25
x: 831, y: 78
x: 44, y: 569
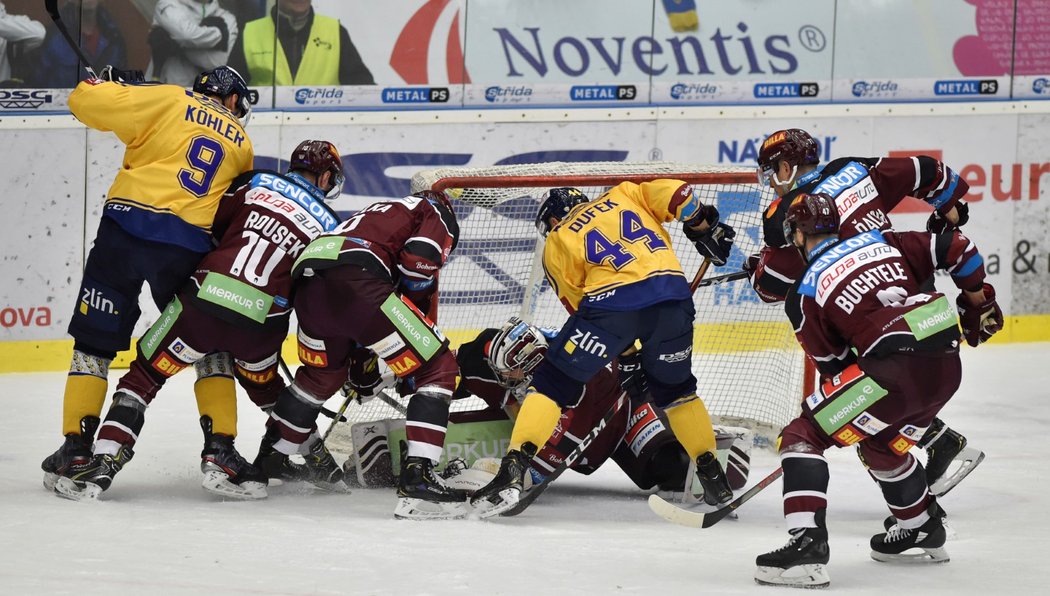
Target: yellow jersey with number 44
x: 613, y: 253
x: 182, y: 152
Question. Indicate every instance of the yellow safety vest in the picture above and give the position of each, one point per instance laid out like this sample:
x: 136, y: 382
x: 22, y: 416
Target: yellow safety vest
x: 320, y: 63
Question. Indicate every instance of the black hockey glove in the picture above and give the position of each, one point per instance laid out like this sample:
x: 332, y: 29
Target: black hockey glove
x: 938, y: 224
x: 713, y: 243
x: 364, y: 377
x: 108, y: 73
x: 632, y: 377
x: 224, y: 30
x: 980, y: 321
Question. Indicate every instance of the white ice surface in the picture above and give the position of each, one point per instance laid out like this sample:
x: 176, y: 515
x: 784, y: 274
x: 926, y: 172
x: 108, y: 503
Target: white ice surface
x: 157, y: 532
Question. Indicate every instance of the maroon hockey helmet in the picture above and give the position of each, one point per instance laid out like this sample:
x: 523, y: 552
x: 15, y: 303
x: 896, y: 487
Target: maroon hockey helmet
x: 439, y: 199
x: 813, y: 214
x: 793, y: 145
x: 515, y: 352
x: 318, y: 157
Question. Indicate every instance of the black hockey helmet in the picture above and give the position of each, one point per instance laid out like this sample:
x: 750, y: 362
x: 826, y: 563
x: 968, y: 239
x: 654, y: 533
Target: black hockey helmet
x: 557, y: 203
x: 224, y: 81
x: 793, y: 145
x: 443, y: 204
x: 813, y: 214
x: 318, y: 157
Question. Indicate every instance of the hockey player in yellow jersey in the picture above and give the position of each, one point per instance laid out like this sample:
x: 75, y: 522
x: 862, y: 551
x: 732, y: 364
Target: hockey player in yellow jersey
x: 183, y: 149
x: 612, y: 265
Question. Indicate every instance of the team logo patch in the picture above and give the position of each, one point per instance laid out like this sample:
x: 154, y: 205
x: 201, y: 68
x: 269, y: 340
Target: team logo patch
x: 901, y: 445
x: 869, y: 424
x: 404, y: 363
x: 915, y: 433
x: 588, y: 342
x: 849, y: 435
x: 166, y: 366
x: 312, y: 357
x: 184, y: 352
x: 388, y: 346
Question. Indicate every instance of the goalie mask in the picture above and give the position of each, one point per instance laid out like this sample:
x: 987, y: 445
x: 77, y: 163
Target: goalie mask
x: 515, y: 352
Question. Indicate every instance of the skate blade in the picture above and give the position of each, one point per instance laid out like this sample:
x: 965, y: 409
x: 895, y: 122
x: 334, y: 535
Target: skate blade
x: 800, y: 576
x: 418, y: 509
x: 67, y: 489
x: 218, y: 483
x: 914, y: 556
x: 484, y: 508
x: 50, y: 479
x: 969, y: 458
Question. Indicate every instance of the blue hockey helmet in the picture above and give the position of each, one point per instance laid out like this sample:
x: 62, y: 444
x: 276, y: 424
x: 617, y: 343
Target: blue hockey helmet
x: 557, y: 203
x: 224, y: 82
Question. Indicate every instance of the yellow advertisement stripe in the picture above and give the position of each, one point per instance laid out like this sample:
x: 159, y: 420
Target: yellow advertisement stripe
x: 54, y: 355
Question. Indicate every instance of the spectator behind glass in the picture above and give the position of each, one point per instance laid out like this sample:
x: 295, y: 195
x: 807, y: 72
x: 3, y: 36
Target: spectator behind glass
x: 18, y: 34
x: 187, y: 37
x: 329, y: 58
x: 100, y: 39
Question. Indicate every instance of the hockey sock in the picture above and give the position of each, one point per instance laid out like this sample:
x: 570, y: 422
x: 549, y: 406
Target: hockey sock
x: 217, y: 399
x: 692, y: 425
x: 86, y: 388
x: 805, y: 487
x: 906, y: 492
x: 536, y: 421
x: 122, y: 425
x: 426, y: 422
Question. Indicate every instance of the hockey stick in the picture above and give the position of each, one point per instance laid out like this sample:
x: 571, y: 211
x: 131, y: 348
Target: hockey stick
x: 585, y: 442
x: 695, y: 519
x: 575, y: 454
x: 52, y: 10
x: 722, y: 279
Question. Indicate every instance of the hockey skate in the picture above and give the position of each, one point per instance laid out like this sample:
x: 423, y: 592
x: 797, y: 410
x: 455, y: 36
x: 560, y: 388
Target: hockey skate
x: 801, y: 563
x: 226, y: 473
x: 898, y: 545
x: 74, y: 453
x: 713, y: 479
x: 505, y: 489
x: 422, y: 495
x: 276, y: 465
x: 945, y: 448
x: 96, y: 476
x: 319, y: 468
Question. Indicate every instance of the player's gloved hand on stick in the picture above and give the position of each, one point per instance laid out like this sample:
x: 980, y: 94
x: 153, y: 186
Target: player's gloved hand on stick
x: 939, y: 224
x: 109, y: 73
x: 632, y: 377
x: 716, y: 241
x: 364, y: 377
x: 979, y: 321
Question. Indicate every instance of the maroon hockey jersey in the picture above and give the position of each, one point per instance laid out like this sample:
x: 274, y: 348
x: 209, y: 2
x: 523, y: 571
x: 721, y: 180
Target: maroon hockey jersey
x: 865, y: 191
x: 263, y: 223
x: 404, y: 241
x: 862, y: 294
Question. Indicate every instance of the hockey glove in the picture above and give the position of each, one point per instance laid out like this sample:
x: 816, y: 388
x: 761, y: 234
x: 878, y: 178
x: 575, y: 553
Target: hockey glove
x: 980, y: 321
x: 364, y: 377
x: 713, y: 243
x: 939, y: 224
x: 224, y: 30
x: 108, y: 73
x: 632, y: 377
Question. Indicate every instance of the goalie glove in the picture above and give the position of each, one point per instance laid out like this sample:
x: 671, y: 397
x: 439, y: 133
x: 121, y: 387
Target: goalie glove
x: 939, y: 224
x: 715, y: 242
x: 980, y: 321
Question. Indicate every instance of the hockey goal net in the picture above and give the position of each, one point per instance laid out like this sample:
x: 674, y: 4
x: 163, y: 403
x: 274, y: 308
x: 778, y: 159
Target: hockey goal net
x: 749, y: 368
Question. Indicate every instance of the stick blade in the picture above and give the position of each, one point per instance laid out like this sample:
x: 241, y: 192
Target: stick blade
x: 675, y: 514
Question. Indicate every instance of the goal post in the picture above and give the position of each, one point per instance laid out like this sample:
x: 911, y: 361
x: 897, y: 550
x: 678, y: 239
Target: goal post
x: 749, y: 368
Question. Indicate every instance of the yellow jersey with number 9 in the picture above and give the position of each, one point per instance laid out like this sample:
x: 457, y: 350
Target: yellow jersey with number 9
x: 613, y: 253
x: 182, y: 152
